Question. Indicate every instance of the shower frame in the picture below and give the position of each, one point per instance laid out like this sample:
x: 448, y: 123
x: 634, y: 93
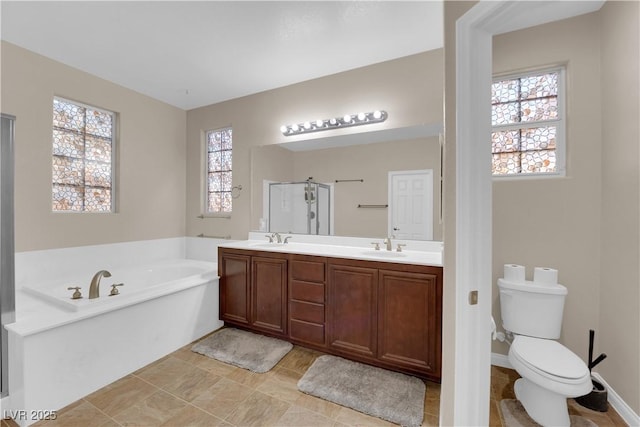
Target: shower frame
x: 308, y: 184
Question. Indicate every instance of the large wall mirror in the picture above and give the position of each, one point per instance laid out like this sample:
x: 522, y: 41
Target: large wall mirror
x: 359, y: 187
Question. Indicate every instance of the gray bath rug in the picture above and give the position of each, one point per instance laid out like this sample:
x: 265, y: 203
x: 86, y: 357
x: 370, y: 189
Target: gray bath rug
x: 384, y: 394
x: 244, y: 349
x: 514, y: 415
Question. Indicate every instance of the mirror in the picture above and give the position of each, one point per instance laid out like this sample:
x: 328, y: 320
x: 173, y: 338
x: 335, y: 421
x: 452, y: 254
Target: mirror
x: 359, y: 172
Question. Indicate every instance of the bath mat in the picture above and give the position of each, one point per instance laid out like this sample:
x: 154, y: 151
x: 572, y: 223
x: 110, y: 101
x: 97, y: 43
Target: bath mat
x: 514, y: 415
x: 244, y: 349
x: 384, y: 394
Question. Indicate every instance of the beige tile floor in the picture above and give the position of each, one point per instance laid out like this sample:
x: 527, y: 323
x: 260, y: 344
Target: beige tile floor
x: 188, y: 389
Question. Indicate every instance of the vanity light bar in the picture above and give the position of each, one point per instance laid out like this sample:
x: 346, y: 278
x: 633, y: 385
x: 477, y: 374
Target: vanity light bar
x: 347, y: 120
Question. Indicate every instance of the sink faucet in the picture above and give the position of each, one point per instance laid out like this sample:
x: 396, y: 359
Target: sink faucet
x: 94, y: 289
x: 277, y: 237
x: 387, y: 242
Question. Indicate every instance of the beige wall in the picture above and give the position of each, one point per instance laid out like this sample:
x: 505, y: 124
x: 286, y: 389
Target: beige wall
x: 370, y: 162
x: 556, y: 222
x: 150, y: 150
x: 585, y: 224
x: 409, y: 89
x: 618, y: 333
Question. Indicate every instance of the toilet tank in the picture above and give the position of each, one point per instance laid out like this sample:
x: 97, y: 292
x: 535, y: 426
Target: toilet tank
x: 532, y: 309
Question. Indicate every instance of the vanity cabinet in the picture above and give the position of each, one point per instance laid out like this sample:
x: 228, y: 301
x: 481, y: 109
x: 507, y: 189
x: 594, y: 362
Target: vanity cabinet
x: 253, y: 290
x: 307, y: 296
x: 382, y: 313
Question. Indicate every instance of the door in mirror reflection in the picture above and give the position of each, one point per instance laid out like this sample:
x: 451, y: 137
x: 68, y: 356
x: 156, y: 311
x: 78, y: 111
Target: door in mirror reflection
x: 411, y: 204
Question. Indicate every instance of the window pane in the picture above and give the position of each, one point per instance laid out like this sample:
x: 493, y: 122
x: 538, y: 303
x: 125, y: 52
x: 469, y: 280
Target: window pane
x: 505, y: 91
x: 219, y: 202
x: 67, y: 170
x: 97, y: 199
x: 539, y: 109
x: 97, y: 174
x: 539, y: 161
x: 506, y: 163
x: 505, y: 141
x: 67, y: 115
x: 98, y: 149
x: 226, y: 139
x: 67, y: 198
x: 219, y: 170
x: 538, y: 138
x: 99, y: 123
x: 539, y: 86
x: 67, y: 143
x: 502, y: 114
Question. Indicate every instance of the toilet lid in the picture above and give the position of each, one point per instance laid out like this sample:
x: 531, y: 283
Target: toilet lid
x: 549, y: 356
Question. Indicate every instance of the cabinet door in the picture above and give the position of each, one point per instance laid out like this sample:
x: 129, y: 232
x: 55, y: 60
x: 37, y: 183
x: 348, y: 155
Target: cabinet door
x: 234, y: 288
x: 269, y: 294
x: 409, y: 320
x: 352, y: 303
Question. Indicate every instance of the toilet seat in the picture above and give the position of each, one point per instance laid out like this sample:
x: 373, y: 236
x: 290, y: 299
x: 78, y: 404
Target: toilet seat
x: 550, y: 365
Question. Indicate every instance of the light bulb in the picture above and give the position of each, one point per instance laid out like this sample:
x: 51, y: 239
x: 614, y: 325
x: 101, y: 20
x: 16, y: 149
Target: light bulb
x: 361, y: 116
x: 377, y: 114
x: 284, y: 129
x: 295, y: 128
x: 319, y: 123
x: 307, y: 125
x: 333, y: 121
x: 347, y: 118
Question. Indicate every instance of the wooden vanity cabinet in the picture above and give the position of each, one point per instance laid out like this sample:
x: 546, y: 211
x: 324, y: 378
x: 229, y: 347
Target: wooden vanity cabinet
x: 307, y: 296
x: 253, y: 290
x: 382, y: 313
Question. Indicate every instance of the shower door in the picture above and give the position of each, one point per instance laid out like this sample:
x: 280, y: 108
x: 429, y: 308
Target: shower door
x: 7, y: 275
x: 299, y: 207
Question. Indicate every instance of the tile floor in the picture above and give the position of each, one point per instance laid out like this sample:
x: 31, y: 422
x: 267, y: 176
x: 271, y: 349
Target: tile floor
x: 189, y: 389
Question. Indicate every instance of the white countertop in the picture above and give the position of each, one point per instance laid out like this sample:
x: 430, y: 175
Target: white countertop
x: 407, y: 256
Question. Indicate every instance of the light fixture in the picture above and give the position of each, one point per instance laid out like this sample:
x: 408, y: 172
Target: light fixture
x: 347, y: 120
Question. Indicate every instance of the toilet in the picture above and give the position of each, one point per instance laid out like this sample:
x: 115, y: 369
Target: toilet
x: 550, y: 372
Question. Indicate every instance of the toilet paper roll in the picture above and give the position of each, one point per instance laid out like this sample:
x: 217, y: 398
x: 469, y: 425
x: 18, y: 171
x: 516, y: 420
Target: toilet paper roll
x: 545, y: 276
x: 514, y: 273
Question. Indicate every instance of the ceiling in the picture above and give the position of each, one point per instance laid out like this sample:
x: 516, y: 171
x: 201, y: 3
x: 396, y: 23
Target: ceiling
x: 195, y: 53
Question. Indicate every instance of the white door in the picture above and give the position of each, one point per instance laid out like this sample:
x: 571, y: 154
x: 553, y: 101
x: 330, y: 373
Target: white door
x: 411, y: 204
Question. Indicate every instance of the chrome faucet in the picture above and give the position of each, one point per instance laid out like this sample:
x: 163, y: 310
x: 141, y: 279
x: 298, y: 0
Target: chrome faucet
x: 94, y: 289
x: 277, y: 237
x: 387, y: 242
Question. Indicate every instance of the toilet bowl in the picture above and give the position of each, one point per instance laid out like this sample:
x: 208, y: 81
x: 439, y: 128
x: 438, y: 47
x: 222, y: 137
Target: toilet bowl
x: 550, y: 372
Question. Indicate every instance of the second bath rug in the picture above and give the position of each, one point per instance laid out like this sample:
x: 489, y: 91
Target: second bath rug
x: 244, y: 349
x: 374, y: 391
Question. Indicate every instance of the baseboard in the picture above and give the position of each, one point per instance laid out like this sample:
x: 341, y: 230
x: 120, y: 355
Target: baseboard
x: 616, y: 402
x: 614, y: 399
x: 500, y: 360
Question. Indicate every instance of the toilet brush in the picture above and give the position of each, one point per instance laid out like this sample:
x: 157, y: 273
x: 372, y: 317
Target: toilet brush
x: 597, y: 399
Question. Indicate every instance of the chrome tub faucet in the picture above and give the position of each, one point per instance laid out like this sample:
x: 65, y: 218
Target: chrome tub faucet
x: 94, y: 289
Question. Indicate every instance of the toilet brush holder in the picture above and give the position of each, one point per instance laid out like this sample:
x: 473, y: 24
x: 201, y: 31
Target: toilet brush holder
x: 597, y: 399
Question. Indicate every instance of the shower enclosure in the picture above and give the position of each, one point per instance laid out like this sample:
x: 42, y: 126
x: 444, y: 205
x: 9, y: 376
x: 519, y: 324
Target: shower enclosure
x: 7, y: 274
x: 300, y: 207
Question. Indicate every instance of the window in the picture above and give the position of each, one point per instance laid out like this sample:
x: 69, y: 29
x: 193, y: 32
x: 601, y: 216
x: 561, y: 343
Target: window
x: 527, y: 118
x: 219, y: 169
x: 83, y: 143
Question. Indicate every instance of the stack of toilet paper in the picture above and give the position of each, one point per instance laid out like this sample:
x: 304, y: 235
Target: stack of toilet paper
x: 541, y: 275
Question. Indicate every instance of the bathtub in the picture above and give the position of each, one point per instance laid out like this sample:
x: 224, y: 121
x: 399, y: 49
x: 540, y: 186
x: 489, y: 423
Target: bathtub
x: 63, y: 349
x: 139, y: 283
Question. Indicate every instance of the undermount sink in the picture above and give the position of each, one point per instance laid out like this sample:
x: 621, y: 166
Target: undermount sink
x: 384, y: 254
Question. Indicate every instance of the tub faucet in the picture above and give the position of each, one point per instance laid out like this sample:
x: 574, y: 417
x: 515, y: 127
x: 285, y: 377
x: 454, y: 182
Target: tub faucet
x: 94, y: 289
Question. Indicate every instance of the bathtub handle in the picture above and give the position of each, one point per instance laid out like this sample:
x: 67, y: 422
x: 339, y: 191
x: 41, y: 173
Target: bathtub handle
x: 76, y: 294
x: 114, y: 289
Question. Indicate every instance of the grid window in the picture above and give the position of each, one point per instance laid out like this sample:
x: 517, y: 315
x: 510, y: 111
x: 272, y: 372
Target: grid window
x: 527, y: 119
x: 82, y: 168
x: 219, y: 171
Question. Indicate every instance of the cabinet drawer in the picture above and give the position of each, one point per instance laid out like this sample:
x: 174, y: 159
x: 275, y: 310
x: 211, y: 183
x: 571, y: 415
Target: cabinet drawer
x: 306, y: 311
x: 307, y: 271
x: 303, y: 291
x: 307, y: 332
